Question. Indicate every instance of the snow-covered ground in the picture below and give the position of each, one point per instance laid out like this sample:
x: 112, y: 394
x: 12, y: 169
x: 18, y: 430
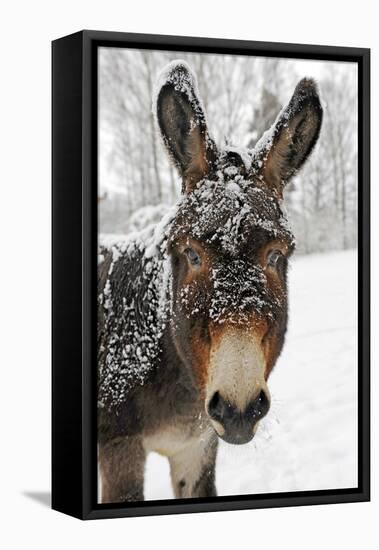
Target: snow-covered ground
x: 309, y: 438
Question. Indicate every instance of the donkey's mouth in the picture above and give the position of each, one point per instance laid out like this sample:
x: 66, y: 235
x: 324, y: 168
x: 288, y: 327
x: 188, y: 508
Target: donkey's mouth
x: 237, y: 437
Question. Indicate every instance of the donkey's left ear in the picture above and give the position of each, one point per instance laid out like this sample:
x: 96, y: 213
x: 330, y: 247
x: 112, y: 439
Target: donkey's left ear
x: 182, y: 123
x: 294, y: 135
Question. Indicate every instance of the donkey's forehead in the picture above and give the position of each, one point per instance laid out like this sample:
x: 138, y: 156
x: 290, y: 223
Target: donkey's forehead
x: 231, y: 212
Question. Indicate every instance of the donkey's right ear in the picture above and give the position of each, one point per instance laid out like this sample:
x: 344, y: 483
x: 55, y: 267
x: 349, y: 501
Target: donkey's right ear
x: 182, y: 123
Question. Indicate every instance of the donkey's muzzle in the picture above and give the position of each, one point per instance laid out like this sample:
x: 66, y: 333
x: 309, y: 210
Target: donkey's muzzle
x: 237, y: 426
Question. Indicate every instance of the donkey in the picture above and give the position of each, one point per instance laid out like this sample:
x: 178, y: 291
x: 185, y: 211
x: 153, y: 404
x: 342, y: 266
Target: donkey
x: 192, y: 312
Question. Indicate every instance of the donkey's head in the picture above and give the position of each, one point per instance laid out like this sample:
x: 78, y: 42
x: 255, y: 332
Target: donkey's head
x: 229, y: 245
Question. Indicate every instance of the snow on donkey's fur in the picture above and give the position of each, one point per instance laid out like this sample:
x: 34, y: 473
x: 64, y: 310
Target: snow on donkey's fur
x: 192, y: 312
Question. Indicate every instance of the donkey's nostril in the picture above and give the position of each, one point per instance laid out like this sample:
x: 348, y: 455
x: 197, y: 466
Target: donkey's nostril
x: 259, y: 407
x: 216, y: 407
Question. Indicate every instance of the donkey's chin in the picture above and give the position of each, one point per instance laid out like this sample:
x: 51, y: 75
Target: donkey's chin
x: 238, y: 436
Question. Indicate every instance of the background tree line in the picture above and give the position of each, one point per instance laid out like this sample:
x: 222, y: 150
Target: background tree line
x: 242, y: 97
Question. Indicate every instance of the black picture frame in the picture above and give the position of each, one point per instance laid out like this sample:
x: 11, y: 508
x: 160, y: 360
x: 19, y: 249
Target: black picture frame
x: 74, y: 206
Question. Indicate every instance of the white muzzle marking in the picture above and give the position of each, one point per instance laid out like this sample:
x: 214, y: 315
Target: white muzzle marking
x: 237, y: 368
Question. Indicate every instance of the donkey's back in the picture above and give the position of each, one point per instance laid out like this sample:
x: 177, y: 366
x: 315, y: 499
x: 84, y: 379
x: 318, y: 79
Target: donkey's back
x: 130, y: 317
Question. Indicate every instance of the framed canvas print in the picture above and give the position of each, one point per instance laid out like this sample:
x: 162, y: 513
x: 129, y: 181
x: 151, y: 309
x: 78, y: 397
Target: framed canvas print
x: 210, y: 274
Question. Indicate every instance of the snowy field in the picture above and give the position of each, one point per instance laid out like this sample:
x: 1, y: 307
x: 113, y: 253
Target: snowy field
x: 309, y: 439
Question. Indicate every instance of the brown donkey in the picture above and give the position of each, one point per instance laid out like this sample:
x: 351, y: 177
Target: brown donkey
x: 193, y: 312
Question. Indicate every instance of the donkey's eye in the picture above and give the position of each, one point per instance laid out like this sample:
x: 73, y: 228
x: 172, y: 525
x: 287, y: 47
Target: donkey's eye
x: 193, y: 257
x: 274, y: 257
